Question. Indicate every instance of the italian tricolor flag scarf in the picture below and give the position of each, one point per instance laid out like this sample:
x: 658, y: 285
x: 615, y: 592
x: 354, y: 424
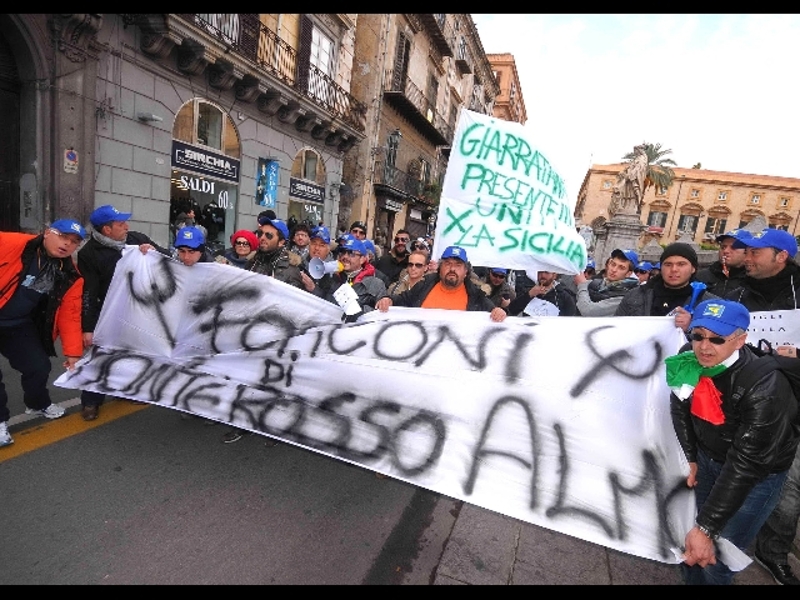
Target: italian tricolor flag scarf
x: 686, y: 376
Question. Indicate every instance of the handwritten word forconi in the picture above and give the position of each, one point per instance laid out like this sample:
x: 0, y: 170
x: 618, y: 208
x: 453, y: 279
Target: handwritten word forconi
x: 486, y: 143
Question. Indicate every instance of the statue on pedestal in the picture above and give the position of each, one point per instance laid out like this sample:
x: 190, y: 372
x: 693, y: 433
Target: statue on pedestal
x: 628, y: 191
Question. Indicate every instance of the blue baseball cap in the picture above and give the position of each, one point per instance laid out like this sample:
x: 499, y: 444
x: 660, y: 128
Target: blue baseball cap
x: 500, y: 271
x: 769, y: 238
x: 589, y: 265
x: 630, y: 255
x: 277, y: 224
x: 191, y: 237
x: 723, y: 317
x: 355, y: 245
x: 106, y: 214
x: 69, y: 226
x: 657, y: 266
x: 735, y: 234
x: 645, y: 266
x: 455, y: 252
x: 322, y: 233
x: 369, y: 245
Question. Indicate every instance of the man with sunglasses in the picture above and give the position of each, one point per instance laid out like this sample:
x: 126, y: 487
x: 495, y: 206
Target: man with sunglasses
x: 273, y: 258
x: 726, y: 273
x: 450, y: 288
x: 772, y: 282
x: 739, y: 451
x: 358, y: 273
x: 642, y: 272
x: 40, y: 299
x: 393, y: 262
x: 501, y: 293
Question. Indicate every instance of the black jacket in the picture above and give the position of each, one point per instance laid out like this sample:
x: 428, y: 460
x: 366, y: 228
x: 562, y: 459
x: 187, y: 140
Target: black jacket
x: 759, y: 437
x: 281, y: 264
x: 639, y: 301
x: 477, y: 300
x: 97, y: 263
x: 779, y: 292
x: 716, y: 281
x: 391, y: 266
x: 558, y: 295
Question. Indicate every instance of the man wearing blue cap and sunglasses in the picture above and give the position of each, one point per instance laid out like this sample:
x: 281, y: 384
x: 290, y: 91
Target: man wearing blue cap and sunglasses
x: 273, y: 257
x: 772, y: 282
x: 40, y: 299
x: 739, y: 450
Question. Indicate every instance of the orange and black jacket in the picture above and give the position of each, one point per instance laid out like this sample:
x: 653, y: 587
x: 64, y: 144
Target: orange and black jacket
x: 60, y: 314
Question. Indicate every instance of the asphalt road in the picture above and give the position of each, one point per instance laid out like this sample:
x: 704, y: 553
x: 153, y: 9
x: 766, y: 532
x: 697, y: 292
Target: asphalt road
x: 143, y: 496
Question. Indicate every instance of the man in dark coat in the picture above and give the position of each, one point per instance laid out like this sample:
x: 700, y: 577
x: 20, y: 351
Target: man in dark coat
x: 772, y: 282
x: 449, y: 288
x: 727, y: 273
x: 739, y: 450
x: 670, y: 292
x: 273, y: 258
x: 97, y: 261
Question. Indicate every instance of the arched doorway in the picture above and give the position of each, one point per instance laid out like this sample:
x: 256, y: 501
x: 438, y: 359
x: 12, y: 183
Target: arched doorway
x: 9, y: 124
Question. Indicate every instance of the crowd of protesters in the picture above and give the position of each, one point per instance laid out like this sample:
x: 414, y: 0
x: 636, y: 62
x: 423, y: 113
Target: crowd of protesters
x: 742, y: 448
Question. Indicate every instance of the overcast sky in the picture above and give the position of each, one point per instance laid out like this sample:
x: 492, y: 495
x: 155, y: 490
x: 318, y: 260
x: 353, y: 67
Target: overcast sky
x: 715, y: 89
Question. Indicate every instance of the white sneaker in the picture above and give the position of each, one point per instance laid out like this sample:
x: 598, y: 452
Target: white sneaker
x: 5, y: 437
x: 51, y: 412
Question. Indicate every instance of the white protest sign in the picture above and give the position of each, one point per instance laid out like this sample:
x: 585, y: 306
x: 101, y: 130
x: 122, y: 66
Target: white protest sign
x: 503, y: 203
x: 560, y: 422
x: 541, y: 308
x: 778, y: 327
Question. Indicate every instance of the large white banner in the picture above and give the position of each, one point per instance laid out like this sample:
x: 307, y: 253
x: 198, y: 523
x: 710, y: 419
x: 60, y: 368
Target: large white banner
x: 504, y: 203
x: 560, y: 422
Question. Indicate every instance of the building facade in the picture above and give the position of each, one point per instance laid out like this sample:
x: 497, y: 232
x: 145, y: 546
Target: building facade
x: 229, y: 114
x: 414, y: 72
x: 700, y: 203
x: 509, y: 104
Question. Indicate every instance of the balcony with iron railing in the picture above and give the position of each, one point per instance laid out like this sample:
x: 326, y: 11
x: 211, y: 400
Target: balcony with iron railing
x: 421, y: 111
x: 464, y: 60
x: 440, y: 32
x: 245, y: 35
x: 399, y: 183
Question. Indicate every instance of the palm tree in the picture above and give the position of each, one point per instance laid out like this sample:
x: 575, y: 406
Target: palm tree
x: 659, y: 171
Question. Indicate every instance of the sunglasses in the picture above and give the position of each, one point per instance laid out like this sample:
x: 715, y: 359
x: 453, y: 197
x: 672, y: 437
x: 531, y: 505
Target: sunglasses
x: 640, y: 271
x: 417, y: 265
x: 67, y: 237
x: 714, y: 339
x: 242, y: 243
x: 350, y: 252
x: 267, y: 234
x: 358, y: 231
x: 402, y: 239
x: 498, y: 275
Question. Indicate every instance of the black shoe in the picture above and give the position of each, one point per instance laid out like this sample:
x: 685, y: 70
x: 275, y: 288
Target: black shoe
x: 780, y: 573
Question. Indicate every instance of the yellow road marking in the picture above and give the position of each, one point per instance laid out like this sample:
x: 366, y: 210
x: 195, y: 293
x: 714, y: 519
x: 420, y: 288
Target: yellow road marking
x: 46, y: 431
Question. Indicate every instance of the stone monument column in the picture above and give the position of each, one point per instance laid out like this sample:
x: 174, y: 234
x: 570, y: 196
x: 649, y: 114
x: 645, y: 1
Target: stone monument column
x: 624, y: 227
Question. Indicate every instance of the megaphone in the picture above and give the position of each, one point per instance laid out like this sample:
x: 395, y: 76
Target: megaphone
x: 317, y: 268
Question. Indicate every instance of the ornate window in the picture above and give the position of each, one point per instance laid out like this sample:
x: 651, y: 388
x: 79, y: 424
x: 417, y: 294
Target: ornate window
x: 755, y: 199
x: 722, y: 195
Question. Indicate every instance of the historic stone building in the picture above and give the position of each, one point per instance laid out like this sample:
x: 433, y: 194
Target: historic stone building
x: 228, y: 113
x: 509, y: 104
x: 413, y: 72
x: 701, y: 203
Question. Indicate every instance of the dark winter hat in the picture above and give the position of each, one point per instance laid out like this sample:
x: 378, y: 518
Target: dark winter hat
x: 680, y: 249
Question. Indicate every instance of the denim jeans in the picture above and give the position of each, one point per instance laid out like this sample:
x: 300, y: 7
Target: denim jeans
x: 774, y: 541
x: 741, y: 528
x: 25, y: 353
